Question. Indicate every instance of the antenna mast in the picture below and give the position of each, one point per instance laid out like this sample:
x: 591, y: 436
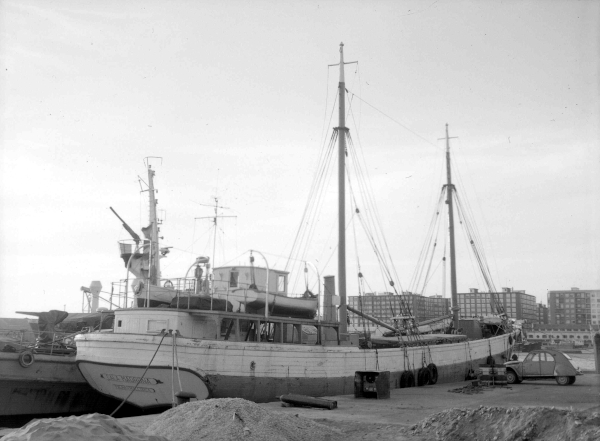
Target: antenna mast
x: 154, y: 249
x: 215, y: 221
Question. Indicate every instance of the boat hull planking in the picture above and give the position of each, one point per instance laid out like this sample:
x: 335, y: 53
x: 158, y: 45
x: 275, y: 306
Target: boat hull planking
x: 261, y: 372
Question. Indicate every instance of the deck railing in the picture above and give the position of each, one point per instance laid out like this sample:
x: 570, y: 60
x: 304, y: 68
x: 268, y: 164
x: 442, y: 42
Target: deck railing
x: 39, y: 342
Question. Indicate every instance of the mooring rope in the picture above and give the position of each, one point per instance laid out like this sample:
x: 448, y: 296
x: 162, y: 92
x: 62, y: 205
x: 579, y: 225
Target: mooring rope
x: 140, y: 380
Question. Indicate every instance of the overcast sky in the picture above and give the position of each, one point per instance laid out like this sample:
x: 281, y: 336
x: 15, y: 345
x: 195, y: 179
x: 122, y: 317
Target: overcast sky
x: 235, y: 98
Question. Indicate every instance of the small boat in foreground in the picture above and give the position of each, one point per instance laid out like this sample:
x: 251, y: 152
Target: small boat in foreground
x: 38, y: 374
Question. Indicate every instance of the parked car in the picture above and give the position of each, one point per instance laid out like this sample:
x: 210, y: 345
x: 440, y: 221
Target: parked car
x: 542, y: 364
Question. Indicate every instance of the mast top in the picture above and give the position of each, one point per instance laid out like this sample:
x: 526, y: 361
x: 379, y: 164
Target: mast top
x: 341, y: 63
x: 342, y: 80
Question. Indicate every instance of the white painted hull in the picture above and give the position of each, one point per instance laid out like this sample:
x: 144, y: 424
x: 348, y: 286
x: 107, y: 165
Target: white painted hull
x: 259, y: 371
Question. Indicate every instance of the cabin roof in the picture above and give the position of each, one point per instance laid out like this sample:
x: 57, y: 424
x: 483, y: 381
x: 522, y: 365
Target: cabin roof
x: 271, y: 270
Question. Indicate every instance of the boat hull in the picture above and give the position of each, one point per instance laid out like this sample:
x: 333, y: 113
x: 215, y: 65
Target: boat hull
x: 51, y: 385
x: 261, y: 372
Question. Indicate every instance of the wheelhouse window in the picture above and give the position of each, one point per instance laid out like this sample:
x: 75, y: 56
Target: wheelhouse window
x: 233, y: 279
x: 280, y: 283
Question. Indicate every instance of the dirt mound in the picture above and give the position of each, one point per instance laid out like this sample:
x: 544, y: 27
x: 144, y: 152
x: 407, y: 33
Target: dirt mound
x: 234, y: 418
x: 511, y: 424
x: 94, y: 426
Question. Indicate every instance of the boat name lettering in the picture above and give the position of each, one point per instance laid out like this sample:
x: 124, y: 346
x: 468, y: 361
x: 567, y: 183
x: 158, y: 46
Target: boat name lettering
x: 137, y: 389
x: 129, y: 379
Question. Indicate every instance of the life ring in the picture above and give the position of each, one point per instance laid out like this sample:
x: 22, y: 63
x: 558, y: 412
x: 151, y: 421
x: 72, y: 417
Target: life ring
x: 68, y: 341
x: 26, y: 359
x: 168, y: 284
x: 433, y: 373
x: 407, y: 379
x: 423, y: 377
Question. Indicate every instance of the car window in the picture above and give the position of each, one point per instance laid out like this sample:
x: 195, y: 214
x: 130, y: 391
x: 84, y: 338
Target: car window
x: 535, y: 358
x: 549, y: 357
x: 529, y: 358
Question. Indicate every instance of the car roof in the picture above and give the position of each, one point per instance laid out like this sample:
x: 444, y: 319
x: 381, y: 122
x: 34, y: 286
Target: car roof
x: 551, y: 351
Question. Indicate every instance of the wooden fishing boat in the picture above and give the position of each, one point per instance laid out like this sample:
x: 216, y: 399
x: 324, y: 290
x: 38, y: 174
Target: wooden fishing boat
x: 157, y: 355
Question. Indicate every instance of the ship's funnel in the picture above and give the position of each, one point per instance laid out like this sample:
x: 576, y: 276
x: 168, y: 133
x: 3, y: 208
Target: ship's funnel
x: 329, y: 310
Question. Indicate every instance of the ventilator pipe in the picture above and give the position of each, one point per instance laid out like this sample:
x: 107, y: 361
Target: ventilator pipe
x: 319, y: 292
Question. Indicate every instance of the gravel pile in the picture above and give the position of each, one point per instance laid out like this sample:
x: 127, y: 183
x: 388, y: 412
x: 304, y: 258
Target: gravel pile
x: 96, y: 427
x: 510, y: 424
x: 236, y: 419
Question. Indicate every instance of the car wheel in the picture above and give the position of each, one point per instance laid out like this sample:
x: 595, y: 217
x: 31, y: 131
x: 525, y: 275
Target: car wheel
x: 511, y: 377
x: 572, y: 380
x: 563, y: 381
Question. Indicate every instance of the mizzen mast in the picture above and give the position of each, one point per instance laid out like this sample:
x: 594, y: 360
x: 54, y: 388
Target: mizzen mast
x: 449, y: 190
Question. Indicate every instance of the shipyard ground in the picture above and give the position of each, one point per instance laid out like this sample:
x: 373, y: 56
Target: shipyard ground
x: 372, y: 419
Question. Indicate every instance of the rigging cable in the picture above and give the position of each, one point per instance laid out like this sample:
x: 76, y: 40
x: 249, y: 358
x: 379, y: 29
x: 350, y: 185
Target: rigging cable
x: 373, y: 215
x: 371, y: 222
x: 428, y: 249
x: 313, y: 205
x: 315, y: 194
x: 397, y: 122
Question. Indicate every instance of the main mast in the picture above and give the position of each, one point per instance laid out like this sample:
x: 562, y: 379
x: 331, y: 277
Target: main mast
x: 342, y: 196
x: 449, y: 201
